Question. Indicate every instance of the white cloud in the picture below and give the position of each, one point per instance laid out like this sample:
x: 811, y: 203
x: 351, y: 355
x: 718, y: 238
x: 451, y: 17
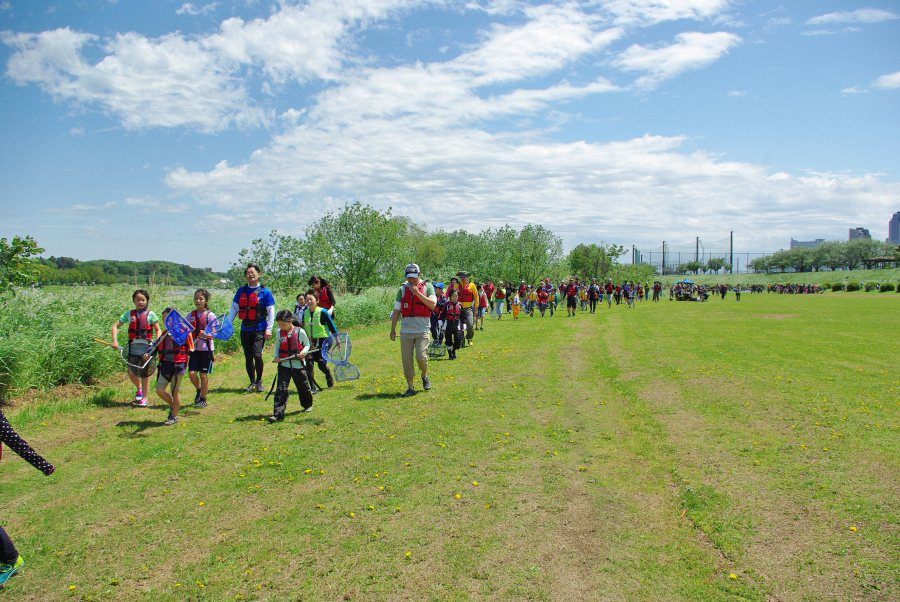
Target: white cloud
x: 862, y: 15
x: 737, y: 93
x: 189, y: 9
x: 168, y: 81
x: 774, y: 22
x: 891, y: 80
x: 647, y: 12
x: 853, y: 90
x: 819, y: 32
x: 691, y: 51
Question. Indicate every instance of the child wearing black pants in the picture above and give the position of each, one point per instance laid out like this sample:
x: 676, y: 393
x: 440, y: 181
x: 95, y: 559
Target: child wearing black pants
x: 451, y: 314
x: 291, y: 347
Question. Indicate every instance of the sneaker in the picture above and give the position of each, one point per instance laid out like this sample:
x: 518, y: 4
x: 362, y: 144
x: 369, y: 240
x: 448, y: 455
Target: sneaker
x: 260, y: 388
x: 197, y: 397
x: 171, y: 420
x: 274, y: 419
x: 426, y: 384
x: 138, y: 395
x: 309, y: 409
x: 251, y: 388
x: 144, y: 403
x: 8, y: 570
x: 329, y: 381
x: 408, y: 393
x: 313, y: 391
x: 200, y: 403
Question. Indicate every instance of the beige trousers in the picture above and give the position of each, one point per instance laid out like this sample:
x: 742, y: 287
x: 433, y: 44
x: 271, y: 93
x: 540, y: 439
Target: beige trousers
x: 414, y: 348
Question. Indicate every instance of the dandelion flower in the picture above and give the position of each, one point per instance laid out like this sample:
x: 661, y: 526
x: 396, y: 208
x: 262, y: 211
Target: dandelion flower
x: 458, y: 496
x: 732, y: 576
x: 853, y: 528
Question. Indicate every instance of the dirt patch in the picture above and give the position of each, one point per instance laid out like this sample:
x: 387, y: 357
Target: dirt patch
x: 775, y: 316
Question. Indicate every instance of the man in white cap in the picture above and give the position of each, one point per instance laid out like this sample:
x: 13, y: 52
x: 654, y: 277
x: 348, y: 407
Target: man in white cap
x: 414, y: 303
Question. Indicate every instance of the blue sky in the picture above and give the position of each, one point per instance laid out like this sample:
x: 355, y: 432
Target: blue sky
x: 182, y: 131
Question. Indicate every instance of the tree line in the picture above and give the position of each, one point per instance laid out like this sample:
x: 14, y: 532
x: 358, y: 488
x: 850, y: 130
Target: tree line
x: 832, y: 254
x: 361, y: 247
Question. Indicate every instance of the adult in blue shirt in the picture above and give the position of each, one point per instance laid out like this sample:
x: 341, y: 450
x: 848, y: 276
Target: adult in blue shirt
x: 255, y: 306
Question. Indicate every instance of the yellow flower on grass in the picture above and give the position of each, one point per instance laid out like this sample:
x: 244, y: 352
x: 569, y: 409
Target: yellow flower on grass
x: 408, y: 554
x: 853, y: 528
x: 475, y: 483
x: 352, y: 514
x: 71, y: 588
x: 732, y: 576
x: 458, y: 496
x: 202, y: 504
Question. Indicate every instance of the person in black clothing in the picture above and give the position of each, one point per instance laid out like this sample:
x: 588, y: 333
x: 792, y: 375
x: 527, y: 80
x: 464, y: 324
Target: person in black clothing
x: 10, y: 560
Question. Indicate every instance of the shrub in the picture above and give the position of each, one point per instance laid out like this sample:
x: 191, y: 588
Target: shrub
x: 837, y: 286
x: 870, y: 286
x: 825, y: 286
x: 887, y: 286
x: 852, y: 286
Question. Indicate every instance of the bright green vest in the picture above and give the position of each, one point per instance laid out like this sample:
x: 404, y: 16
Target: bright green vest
x: 314, y: 326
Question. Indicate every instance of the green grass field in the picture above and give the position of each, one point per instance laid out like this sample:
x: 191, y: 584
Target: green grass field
x: 677, y: 451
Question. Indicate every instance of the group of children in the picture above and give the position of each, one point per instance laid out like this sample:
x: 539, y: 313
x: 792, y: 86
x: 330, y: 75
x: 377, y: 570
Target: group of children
x: 147, y: 341
x: 153, y: 348
x: 447, y: 316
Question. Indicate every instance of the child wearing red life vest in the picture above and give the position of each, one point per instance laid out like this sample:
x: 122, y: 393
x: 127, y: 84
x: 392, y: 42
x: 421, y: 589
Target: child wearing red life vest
x: 173, y: 361
x: 200, y: 364
x: 482, y: 306
x: 291, y: 347
x: 451, y: 314
x: 142, y: 325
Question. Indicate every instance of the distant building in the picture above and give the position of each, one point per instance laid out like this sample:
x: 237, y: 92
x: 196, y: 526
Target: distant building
x: 894, y: 229
x: 859, y: 233
x: 809, y: 244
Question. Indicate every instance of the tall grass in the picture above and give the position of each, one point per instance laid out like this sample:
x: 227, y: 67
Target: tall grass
x: 46, y: 338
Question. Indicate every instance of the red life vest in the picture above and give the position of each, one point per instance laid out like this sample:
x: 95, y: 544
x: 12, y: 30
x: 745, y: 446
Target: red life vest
x: 452, y: 310
x: 170, y: 352
x: 571, y: 290
x: 326, y: 298
x: 290, y: 343
x: 249, y: 307
x: 499, y: 294
x: 138, y: 325
x: 410, y: 305
x: 439, y: 305
x: 543, y: 297
x: 201, y: 321
x: 465, y: 293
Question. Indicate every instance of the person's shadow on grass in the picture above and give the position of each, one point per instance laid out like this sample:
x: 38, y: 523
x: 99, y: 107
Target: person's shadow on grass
x: 368, y: 396
x: 139, y: 426
x: 260, y: 417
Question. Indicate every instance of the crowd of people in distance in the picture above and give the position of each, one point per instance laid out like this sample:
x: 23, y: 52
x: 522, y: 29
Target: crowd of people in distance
x: 689, y: 291
x: 792, y: 289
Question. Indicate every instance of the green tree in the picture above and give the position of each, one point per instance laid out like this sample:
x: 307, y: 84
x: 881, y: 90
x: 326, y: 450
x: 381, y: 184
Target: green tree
x: 759, y: 264
x: 715, y: 264
x: 16, y: 264
x: 799, y: 258
x: 594, y: 261
x: 359, y: 245
x: 863, y: 248
x: 280, y: 257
